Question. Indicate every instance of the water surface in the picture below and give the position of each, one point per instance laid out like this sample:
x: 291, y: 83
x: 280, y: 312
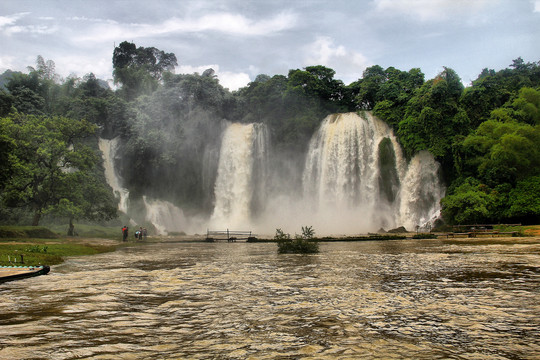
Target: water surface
x: 426, y: 299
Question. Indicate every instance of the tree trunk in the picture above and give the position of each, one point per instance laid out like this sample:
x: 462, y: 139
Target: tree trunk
x: 71, y: 229
x: 37, y: 217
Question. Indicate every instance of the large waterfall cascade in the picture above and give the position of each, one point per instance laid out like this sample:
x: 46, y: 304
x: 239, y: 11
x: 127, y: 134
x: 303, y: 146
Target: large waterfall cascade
x: 355, y: 179
x: 240, y: 182
x: 355, y: 166
x: 342, y: 161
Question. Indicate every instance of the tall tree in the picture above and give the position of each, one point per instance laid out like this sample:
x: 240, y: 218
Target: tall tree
x: 140, y: 69
x: 51, y: 165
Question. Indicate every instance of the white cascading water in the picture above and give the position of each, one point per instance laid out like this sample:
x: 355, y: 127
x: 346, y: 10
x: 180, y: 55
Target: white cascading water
x: 342, y: 178
x: 421, y: 193
x: 240, y: 176
x: 341, y: 164
x: 108, y: 149
x: 164, y: 216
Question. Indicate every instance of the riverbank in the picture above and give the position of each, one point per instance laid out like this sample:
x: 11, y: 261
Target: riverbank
x: 33, y: 246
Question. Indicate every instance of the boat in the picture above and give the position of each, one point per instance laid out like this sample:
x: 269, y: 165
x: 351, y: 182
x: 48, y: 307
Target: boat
x: 9, y: 273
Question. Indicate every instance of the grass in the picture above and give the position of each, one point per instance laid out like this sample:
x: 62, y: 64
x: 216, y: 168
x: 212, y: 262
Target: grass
x: 524, y: 230
x: 43, y: 246
x: 50, y: 254
x: 91, y: 231
x: 38, y: 232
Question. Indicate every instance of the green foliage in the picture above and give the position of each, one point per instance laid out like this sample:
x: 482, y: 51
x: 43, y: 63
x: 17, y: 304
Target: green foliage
x: 303, y: 244
x: 52, y: 168
x: 388, y: 91
x: 388, y: 176
x: 469, y: 203
x: 493, y: 89
x: 527, y: 105
x: 424, y: 236
x: 307, y: 232
x: 280, y: 235
x: 433, y: 119
x: 524, y: 201
x: 503, y: 152
x: 36, y: 249
x: 140, y: 69
x: 51, y: 254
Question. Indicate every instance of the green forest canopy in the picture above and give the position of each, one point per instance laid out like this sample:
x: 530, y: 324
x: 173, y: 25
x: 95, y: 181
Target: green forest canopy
x: 486, y: 135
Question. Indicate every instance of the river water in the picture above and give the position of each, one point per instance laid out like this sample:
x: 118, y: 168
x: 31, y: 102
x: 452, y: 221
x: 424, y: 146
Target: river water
x: 423, y: 299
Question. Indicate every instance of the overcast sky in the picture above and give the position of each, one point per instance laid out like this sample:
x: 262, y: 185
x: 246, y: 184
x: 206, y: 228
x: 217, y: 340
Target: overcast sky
x: 241, y: 39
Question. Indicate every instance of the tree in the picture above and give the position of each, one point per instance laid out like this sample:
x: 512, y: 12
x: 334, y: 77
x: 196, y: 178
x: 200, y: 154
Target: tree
x: 527, y: 105
x: 140, y: 69
x: 51, y: 166
x: 433, y: 119
x: 469, y: 204
x: 502, y: 152
x: 372, y: 79
x: 525, y: 202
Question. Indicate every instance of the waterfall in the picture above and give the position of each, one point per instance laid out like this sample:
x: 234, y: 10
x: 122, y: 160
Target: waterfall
x: 354, y: 179
x: 164, y: 216
x: 240, y: 184
x: 355, y: 168
x: 421, y: 192
x: 108, y: 149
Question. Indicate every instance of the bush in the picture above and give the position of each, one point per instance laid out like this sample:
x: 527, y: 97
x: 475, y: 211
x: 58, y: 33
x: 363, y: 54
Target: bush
x: 424, y: 236
x: 301, y: 244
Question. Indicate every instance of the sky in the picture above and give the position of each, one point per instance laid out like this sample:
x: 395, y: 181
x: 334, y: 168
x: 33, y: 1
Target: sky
x: 241, y: 39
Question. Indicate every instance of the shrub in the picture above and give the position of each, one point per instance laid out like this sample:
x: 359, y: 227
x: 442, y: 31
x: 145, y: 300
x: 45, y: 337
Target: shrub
x: 301, y: 244
x: 424, y: 236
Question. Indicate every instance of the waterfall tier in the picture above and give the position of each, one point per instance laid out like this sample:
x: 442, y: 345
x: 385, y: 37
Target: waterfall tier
x: 109, y: 150
x: 240, y: 183
x: 355, y: 167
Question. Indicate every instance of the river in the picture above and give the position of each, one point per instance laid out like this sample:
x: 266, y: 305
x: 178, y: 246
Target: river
x: 413, y: 299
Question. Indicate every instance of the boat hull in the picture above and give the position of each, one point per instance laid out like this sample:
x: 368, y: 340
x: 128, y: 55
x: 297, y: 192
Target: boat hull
x: 10, y: 273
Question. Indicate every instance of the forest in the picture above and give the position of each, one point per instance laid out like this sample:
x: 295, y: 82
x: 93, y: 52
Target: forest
x: 486, y: 136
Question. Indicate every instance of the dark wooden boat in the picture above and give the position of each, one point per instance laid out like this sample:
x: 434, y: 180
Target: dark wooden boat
x: 9, y: 273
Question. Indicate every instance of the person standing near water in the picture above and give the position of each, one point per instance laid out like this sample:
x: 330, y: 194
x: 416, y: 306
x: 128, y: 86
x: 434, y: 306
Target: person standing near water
x: 124, y: 233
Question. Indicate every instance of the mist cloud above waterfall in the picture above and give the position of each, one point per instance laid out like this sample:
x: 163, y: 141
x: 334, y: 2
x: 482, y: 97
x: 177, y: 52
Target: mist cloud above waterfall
x: 245, y: 38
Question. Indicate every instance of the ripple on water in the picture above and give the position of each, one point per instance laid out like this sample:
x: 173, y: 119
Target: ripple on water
x: 423, y: 300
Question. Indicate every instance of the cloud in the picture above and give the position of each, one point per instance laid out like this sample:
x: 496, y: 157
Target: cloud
x: 348, y: 64
x: 431, y: 10
x: 10, y: 19
x: 536, y: 4
x: 7, y: 62
x: 228, y: 79
x: 81, y: 65
x: 228, y: 23
x: 233, y: 81
x: 8, y: 26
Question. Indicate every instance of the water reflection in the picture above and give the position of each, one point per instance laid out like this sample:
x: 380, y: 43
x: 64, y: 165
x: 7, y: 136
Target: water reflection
x: 394, y: 299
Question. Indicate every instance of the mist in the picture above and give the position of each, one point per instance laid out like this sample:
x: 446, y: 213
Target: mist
x: 336, y: 185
